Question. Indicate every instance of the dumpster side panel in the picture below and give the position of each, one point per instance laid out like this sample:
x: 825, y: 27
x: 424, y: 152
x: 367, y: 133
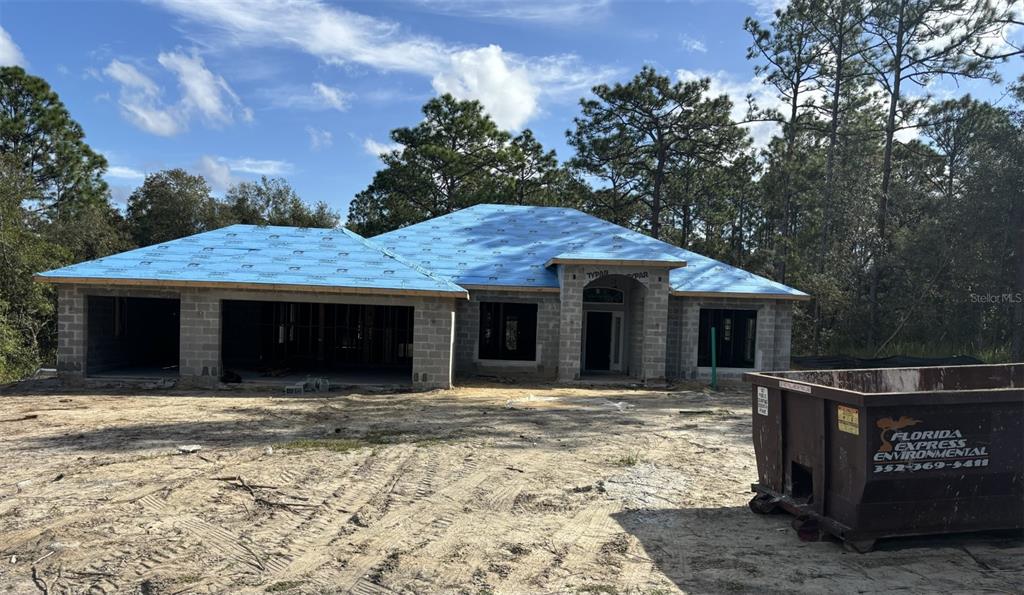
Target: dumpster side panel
x: 767, y: 432
x: 944, y: 468
x: 847, y: 432
x: 804, y: 448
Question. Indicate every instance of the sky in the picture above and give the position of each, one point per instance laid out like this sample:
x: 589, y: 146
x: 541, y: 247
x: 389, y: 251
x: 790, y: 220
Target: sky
x: 308, y: 90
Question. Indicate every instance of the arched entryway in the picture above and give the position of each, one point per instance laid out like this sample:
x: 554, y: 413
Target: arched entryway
x: 612, y: 333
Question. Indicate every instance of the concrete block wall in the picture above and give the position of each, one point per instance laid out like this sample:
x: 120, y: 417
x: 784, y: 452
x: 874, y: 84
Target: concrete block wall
x: 783, y: 335
x: 647, y: 311
x: 71, y: 333
x: 200, y: 338
x: 655, y: 326
x: 467, y: 335
x: 772, y: 346
x: 572, y: 279
x: 433, y: 349
x: 673, y: 339
x: 200, y: 330
x: 635, y: 330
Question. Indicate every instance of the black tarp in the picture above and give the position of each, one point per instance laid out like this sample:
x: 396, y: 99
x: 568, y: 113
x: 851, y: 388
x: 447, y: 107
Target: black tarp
x: 846, y: 362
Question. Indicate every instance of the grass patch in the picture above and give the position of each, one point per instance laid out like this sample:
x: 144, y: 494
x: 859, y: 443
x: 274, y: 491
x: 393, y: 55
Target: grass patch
x: 384, y: 437
x: 283, y: 586
x: 629, y: 459
x: 331, y: 444
x: 597, y: 589
x: 989, y: 355
x: 368, y: 440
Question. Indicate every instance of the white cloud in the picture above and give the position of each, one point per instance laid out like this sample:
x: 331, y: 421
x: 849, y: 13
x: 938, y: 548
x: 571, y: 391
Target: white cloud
x: 140, y: 101
x: 220, y: 171
x: 484, y: 74
x: 260, y: 167
x: 203, y: 93
x: 510, y: 86
x: 536, y: 11
x: 691, y: 44
x: 10, y: 53
x: 767, y: 8
x: 564, y: 75
x: 332, y: 97
x: 725, y: 83
x: 119, y: 195
x: 317, y: 96
x: 377, y: 149
x: 125, y: 173
x: 130, y: 77
x: 319, y: 139
x: 216, y: 172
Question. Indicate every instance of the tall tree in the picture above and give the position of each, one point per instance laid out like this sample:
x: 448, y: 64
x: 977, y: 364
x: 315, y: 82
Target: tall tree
x: 26, y: 308
x: 446, y: 162
x: 645, y: 127
x: 171, y: 204
x: 1017, y: 219
x: 37, y: 130
x: 532, y: 176
x: 843, y: 79
x: 455, y: 158
x: 912, y: 42
x: 272, y: 201
x: 789, y: 54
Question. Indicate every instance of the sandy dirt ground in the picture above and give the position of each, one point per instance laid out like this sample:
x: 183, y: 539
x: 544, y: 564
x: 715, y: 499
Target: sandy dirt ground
x: 484, y: 489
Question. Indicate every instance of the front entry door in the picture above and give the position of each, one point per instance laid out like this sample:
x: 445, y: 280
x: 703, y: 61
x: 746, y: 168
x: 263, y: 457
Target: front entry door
x: 599, y: 338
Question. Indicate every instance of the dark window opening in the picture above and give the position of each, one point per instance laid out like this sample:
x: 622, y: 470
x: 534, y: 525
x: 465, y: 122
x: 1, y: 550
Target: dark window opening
x: 508, y: 331
x: 602, y: 295
x: 130, y: 336
x: 736, y: 337
x: 286, y: 338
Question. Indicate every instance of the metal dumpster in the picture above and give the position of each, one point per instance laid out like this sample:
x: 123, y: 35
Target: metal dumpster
x: 873, y: 453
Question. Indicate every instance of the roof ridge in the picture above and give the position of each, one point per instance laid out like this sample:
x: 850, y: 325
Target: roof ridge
x: 366, y: 242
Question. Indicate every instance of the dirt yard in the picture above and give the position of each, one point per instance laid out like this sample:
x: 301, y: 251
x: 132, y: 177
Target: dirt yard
x: 477, y: 490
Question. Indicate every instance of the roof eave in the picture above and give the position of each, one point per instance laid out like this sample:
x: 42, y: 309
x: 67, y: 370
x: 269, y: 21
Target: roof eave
x: 458, y: 294
x: 735, y: 294
x: 670, y: 264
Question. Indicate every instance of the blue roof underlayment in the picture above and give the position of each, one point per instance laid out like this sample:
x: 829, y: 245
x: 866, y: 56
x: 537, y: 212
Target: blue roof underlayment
x: 329, y: 258
x: 496, y: 245
x: 505, y: 245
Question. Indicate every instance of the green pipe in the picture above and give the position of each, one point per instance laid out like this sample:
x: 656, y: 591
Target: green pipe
x: 714, y: 360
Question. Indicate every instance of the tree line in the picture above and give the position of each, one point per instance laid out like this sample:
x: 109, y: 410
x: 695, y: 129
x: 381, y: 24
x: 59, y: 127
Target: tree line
x: 56, y: 209
x: 901, y: 214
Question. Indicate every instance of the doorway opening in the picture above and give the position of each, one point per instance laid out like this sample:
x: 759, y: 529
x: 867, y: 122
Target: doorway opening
x: 603, y: 349
x: 599, y: 337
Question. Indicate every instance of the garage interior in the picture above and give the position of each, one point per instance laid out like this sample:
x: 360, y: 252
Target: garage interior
x: 132, y: 336
x: 289, y: 341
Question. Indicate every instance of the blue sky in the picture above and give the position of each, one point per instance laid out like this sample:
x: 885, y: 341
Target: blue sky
x: 308, y: 90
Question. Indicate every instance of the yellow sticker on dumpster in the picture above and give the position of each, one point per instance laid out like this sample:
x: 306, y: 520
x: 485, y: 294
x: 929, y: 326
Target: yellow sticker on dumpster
x: 849, y: 420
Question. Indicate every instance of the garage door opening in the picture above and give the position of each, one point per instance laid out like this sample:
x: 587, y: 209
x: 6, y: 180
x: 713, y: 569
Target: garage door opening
x: 289, y: 341
x: 132, y: 337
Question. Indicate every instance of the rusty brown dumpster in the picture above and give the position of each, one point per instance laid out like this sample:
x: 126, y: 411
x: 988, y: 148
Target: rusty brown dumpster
x: 867, y: 454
